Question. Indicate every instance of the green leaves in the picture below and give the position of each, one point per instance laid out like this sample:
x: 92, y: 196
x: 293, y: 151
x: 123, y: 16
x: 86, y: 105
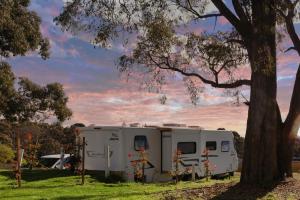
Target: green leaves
x: 20, y: 30
x: 6, y: 153
x: 6, y: 84
x: 30, y: 102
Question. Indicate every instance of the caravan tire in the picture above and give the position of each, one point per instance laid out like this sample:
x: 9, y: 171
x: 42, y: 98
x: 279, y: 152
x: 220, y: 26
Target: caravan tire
x: 186, y: 177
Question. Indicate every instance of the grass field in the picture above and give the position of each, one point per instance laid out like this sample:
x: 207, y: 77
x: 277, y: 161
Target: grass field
x: 62, y: 185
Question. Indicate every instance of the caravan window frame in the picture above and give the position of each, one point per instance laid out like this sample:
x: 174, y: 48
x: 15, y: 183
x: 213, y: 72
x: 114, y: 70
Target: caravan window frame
x: 145, y: 141
x: 190, y: 152
x: 215, y: 145
x: 222, y: 145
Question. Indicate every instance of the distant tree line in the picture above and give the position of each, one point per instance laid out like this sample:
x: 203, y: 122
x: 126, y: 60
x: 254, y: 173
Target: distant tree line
x: 45, y: 139
x: 239, y: 145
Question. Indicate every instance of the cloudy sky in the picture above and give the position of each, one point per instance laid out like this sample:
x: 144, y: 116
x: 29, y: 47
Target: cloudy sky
x: 98, y: 95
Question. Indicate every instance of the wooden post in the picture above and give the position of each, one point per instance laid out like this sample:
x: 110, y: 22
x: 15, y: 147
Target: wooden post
x: 176, y: 166
x: 207, y: 165
x: 30, y: 150
x: 193, y: 172
x: 107, y: 169
x: 18, y: 168
x: 83, y: 159
x: 62, y: 156
x: 143, y: 167
x: 30, y: 156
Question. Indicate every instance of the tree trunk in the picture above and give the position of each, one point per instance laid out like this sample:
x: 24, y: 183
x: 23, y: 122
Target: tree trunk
x: 260, y: 158
x: 290, y: 129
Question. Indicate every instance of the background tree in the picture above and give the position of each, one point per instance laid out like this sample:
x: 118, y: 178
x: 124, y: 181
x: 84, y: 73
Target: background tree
x: 32, y: 102
x: 208, y: 58
x: 20, y: 30
x: 5, y: 133
x: 6, y: 154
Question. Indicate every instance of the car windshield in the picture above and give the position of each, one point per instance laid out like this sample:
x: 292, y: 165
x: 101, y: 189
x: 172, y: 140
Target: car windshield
x: 48, y: 162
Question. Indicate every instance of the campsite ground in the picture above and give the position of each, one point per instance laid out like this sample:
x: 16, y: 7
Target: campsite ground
x: 61, y: 185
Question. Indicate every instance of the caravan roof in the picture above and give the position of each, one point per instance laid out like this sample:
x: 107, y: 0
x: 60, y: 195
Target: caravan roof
x: 166, y: 128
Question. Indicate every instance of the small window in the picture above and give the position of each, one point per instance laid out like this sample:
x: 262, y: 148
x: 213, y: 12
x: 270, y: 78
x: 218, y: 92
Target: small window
x: 225, y: 146
x: 186, y: 147
x: 211, y: 145
x: 140, y: 143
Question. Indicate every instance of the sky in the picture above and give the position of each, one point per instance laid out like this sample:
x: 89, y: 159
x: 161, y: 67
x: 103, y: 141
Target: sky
x: 99, y: 95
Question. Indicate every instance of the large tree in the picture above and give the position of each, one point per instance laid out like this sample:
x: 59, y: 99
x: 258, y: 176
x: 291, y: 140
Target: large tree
x: 209, y: 58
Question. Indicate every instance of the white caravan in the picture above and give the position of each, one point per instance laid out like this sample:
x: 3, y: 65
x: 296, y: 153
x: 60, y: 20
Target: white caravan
x: 114, y: 149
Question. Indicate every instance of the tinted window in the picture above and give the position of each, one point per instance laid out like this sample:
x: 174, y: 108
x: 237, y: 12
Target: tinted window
x: 211, y: 145
x: 186, y: 147
x: 48, y: 162
x: 140, y: 143
x: 225, y: 146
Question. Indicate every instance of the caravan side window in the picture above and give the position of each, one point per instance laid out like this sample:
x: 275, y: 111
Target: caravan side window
x: 140, y: 142
x: 225, y: 146
x: 187, y: 147
x: 211, y: 145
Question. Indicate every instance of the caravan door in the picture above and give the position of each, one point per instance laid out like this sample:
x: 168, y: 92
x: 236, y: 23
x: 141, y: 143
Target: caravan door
x: 166, y: 161
x: 115, y: 145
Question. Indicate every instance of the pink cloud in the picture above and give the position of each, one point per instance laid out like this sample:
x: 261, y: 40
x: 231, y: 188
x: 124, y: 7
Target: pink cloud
x: 285, y: 59
x: 112, y: 107
x: 223, y: 21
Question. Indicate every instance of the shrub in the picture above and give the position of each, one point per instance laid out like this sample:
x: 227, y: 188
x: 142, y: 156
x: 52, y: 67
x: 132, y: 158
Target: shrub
x: 6, y: 153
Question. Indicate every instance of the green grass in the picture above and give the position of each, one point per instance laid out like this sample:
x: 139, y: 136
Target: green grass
x: 61, y: 185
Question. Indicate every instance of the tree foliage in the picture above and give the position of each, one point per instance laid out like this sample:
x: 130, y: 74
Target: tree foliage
x: 6, y: 154
x: 30, y: 101
x: 160, y: 50
x: 6, y: 133
x: 20, y: 30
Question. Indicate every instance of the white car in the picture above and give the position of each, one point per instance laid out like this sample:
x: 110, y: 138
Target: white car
x: 53, y: 161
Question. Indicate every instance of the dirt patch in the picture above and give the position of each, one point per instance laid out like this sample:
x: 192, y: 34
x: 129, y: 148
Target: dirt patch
x: 284, y: 190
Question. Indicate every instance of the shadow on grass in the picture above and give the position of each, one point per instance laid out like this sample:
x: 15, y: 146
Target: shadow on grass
x: 44, y: 174
x: 99, y: 196
x: 102, y: 196
x: 76, y: 197
x: 96, y: 175
x: 244, y: 192
x: 38, y: 174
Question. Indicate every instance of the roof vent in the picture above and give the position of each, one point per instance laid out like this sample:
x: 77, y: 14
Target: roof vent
x: 174, y: 125
x: 150, y: 126
x: 135, y: 125
x: 196, y: 127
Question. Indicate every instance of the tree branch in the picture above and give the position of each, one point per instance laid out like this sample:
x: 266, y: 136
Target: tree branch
x: 224, y: 10
x: 292, y: 122
x: 192, y: 10
x: 290, y: 48
x: 234, y: 84
x: 290, y: 25
x: 240, y: 12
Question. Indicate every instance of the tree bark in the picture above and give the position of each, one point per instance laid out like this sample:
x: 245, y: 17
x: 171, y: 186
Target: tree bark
x: 260, y: 158
x: 290, y: 129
